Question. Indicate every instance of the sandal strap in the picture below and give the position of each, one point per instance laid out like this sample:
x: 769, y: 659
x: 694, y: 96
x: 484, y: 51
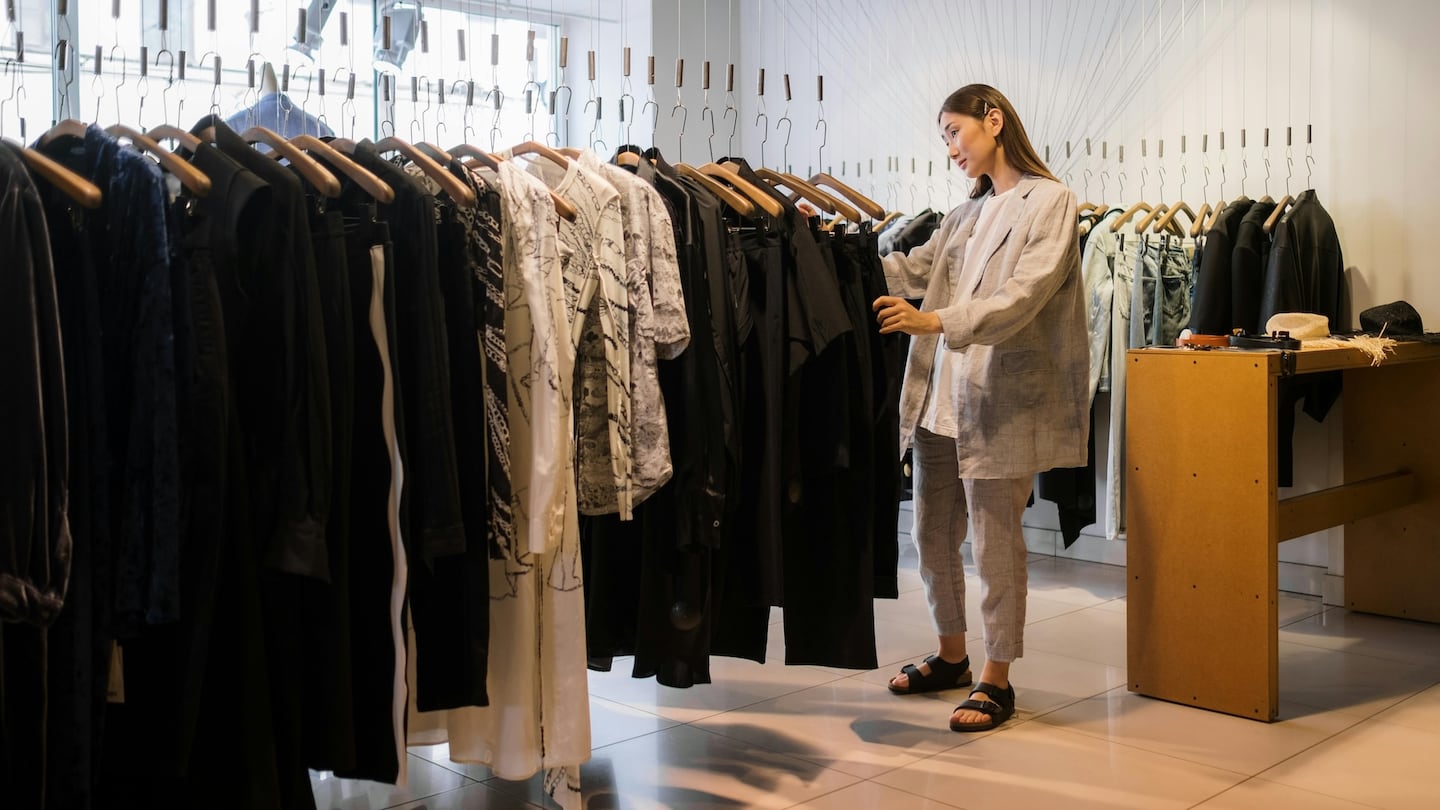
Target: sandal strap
x: 941, y: 668
x: 1003, y: 697
x: 987, y: 707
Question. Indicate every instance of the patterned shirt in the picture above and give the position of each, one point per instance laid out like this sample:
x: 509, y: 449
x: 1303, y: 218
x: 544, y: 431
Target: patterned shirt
x: 659, y: 324
x: 597, y: 302
x: 483, y: 253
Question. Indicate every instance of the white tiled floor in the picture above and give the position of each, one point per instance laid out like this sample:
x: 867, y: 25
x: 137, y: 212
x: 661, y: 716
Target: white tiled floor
x: 1360, y: 725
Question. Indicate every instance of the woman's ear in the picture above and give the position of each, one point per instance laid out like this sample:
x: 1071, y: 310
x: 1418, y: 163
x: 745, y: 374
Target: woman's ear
x: 995, y: 122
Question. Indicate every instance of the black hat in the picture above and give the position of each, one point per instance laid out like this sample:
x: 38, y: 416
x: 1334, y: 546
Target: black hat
x: 1398, y: 320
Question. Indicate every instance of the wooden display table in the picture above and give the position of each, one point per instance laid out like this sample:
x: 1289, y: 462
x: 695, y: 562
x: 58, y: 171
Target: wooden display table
x: 1204, y: 520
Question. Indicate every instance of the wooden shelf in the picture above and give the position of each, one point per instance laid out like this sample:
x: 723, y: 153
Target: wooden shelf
x: 1204, y: 519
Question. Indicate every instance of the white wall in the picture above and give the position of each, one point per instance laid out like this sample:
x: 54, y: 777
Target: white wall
x: 607, y: 28
x: 1118, y: 72
x: 698, y: 30
x: 1123, y: 71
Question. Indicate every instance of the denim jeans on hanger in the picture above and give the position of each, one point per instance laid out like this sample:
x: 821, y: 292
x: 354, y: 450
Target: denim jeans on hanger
x: 1160, y: 297
x: 1127, y: 259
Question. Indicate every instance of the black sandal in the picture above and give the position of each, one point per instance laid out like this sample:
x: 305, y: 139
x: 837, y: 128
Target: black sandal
x: 999, y: 710
x: 943, y: 675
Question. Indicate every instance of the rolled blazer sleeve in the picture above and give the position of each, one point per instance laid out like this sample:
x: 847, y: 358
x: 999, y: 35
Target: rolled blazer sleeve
x: 1049, y: 231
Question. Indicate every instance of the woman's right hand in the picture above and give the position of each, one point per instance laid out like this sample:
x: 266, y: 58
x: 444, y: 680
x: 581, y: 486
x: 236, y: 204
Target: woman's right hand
x: 898, y: 315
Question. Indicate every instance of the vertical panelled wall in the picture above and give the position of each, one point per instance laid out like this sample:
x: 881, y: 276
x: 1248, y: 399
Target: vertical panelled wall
x: 1128, y: 73
x: 1091, y: 79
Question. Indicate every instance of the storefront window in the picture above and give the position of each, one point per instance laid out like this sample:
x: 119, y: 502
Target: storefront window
x: 143, y: 68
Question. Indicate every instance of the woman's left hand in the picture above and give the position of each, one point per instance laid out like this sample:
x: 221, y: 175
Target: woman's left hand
x: 897, y: 315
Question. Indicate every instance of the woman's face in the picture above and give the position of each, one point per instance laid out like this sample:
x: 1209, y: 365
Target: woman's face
x: 970, y: 141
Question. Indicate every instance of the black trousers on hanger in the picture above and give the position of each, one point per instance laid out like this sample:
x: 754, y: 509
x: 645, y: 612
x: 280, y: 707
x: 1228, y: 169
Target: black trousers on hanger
x: 451, y: 600
x: 372, y: 558
x: 829, y: 545
x: 887, y: 358
x: 328, y: 728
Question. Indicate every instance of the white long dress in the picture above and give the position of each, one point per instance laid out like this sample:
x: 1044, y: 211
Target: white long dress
x: 539, y: 712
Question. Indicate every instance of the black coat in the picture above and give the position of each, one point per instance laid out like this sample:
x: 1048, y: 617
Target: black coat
x: 1306, y: 271
x: 1212, y: 314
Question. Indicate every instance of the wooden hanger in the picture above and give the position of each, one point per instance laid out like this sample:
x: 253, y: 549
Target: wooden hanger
x: 1166, y: 222
x: 1083, y: 207
x: 76, y: 187
x: 1198, y: 222
x: 1274, y: 218
x: 474, y: 154
x: 779, y: 180
x: 433, y: 152
x: 871, y: 208
x: 484, y: 158
x: 726, y: 194
x: 627, y: 159
x: 809, y: 191
x: 1215, y: 215
x: 1266, y: 199
x: 1154, y: 214
x: 317, y: 175
x: 569, y: 151
x: 170, y: 132
x: 69, y: 126
x: 887, y: 221
x: 728, y: 173
x: 537, y: 148
x: 1130, y: 212
x: 449, y: 183
x: 827, y: 202
x: 363, y: 177
x: 192, y: 178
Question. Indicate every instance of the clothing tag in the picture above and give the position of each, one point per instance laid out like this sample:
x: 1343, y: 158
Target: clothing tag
x: 115, y: 691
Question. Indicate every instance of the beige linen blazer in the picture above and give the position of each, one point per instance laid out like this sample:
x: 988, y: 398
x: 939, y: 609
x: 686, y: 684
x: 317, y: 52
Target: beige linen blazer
x: 1016, y: 314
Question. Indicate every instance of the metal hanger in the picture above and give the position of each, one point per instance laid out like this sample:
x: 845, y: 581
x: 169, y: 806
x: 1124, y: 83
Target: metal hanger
x: 417, y: 115
x: 13, y: 71
x: 765, y: 130
x: 734, y: 128
x: 785, y: 150
x: 58, y: 56
x: 349, y: 100
x: 124, y: 78
x: 1284, y: 203
x: 142, y: 87
x: 465, y: 127
x: 215, y: 85
x: 169, y: 85
x: 680, y: 150
x: 824, y: 127
x: 594, y: 139
x: 166, y: 130
x: 497, y: 100
x: 708, y: 114
x: 554, y: 99
x: 630, y: 122
x: 305, y: 100
x: 654, y: 117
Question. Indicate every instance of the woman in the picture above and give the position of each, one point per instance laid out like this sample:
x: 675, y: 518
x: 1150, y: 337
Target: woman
x: 995, y: 387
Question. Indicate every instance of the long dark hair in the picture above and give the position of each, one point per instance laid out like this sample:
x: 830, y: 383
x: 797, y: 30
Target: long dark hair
x: 976, y: 101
